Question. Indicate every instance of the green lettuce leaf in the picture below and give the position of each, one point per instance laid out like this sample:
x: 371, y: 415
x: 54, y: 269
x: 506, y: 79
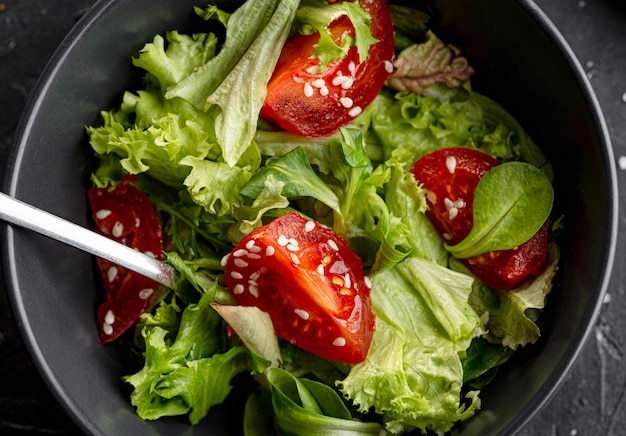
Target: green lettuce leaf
x: 294, y: 171
x: 410, y: 125
x: 413, y: 373
x: 316, y: 15
x: 169, y: 60
x: 255, y: 35
x: 307, y: 407
x: 190, y: 373
x: 163, y: 133
x: 410, y: 230
x: 510, y: 315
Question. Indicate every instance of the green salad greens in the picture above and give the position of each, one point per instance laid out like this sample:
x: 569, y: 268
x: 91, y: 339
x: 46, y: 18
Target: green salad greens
x: 193, y: 137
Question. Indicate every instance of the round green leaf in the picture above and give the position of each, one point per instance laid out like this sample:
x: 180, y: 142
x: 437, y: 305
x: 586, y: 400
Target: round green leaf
x: 511, y: 203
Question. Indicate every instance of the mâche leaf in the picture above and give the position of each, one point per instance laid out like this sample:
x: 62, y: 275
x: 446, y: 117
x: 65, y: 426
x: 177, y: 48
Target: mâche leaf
x: 512, y: 201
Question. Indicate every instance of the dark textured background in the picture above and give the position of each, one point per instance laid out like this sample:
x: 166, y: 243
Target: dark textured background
x: 591, y: 402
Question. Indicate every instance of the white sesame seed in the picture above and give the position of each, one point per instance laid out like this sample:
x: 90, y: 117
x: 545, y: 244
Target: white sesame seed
x: 459, y: 203
x: 236, y: 275
x: 320, y: 269
x: 368, y: 282
x: 255, y: 249
x: 332, y: 244
x: 253, y: 282
x: 308, y: 90
x: 109, y: 317
x: 355, y: 111
x: 347, y: 84
x: 339, y: 342
x: 302, y: 314
x: 103, y: 213
x: 253, y: 256
x: 144, y: 294
x: 453, y: 212
x: 240, y: 252
x: 295, y: 259
x: 448, y: 203
x: 346, y: 102
x: 107, y: 329
x: 389, y: 66
x: 224, y: 260
x: 255, y: 275
x: 118, y: 229
x: 318, y: 83
x: 324, y: 91
x: 238, y: 289
x: 137, y: 222
x: 451, y: 164
x: 339, y: 80
x: 309, y: 226
x: 352, y: 67
x: 240, y: 263
x: 270, y: 250
x: 292, y: 247
x: 338, y: 267
x: 253, y: 290
x: 314, y: 69
x: 347, y: 282
x: 250, y: 244
x: 112, y: 274
x: 282, y: 240
x: 621, y: 161
x: 432, y: 197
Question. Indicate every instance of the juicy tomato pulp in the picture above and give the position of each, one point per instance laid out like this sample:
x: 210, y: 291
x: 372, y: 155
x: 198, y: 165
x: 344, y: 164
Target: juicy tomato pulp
x: 306, y: 102
x: 311, y: 284
x: 450, y: 176
x: 125, y: 215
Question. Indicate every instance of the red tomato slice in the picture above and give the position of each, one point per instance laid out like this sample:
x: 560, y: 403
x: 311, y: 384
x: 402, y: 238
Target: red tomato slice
x: 306, y: 102
x: 451, y: 175
x: 311, y: 284
x: 125, y: 215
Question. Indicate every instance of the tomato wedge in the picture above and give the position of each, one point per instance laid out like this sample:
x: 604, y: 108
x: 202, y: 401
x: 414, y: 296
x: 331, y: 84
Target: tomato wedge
x: 451, y: 175
x: 125, y: 215
x: 307, y: 102
x: 311, y: 284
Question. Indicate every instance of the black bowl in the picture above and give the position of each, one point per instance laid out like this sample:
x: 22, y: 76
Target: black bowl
x: 522, y: 62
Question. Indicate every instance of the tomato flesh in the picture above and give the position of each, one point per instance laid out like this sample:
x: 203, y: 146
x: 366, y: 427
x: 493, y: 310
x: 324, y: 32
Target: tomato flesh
x: 307, y: 102
x: 311, y: 284
x: 450, y: 175
x: 125, y: 215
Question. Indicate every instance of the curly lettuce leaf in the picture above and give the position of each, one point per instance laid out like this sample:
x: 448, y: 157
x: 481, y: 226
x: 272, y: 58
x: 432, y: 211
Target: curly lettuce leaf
x: 169, y: 60
x: 420, y: 65
x: 413, y: 374
x: 255, y: 34
x: 410, y: 125
x: 510, y: 315
x: 163, y: 133
x: 299, y: 179
x: 316, y: 15
x: 189, y: 374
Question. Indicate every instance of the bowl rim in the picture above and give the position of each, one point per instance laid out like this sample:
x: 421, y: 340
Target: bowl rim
x: 555, y: 379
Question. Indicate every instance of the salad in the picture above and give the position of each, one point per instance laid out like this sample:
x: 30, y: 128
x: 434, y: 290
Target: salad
x: 355, y: 228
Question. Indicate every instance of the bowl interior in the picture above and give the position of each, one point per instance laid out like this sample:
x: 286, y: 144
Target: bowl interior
x: 521, y: 61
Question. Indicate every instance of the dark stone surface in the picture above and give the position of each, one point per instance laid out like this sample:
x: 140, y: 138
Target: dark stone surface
x: 592, y: 399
